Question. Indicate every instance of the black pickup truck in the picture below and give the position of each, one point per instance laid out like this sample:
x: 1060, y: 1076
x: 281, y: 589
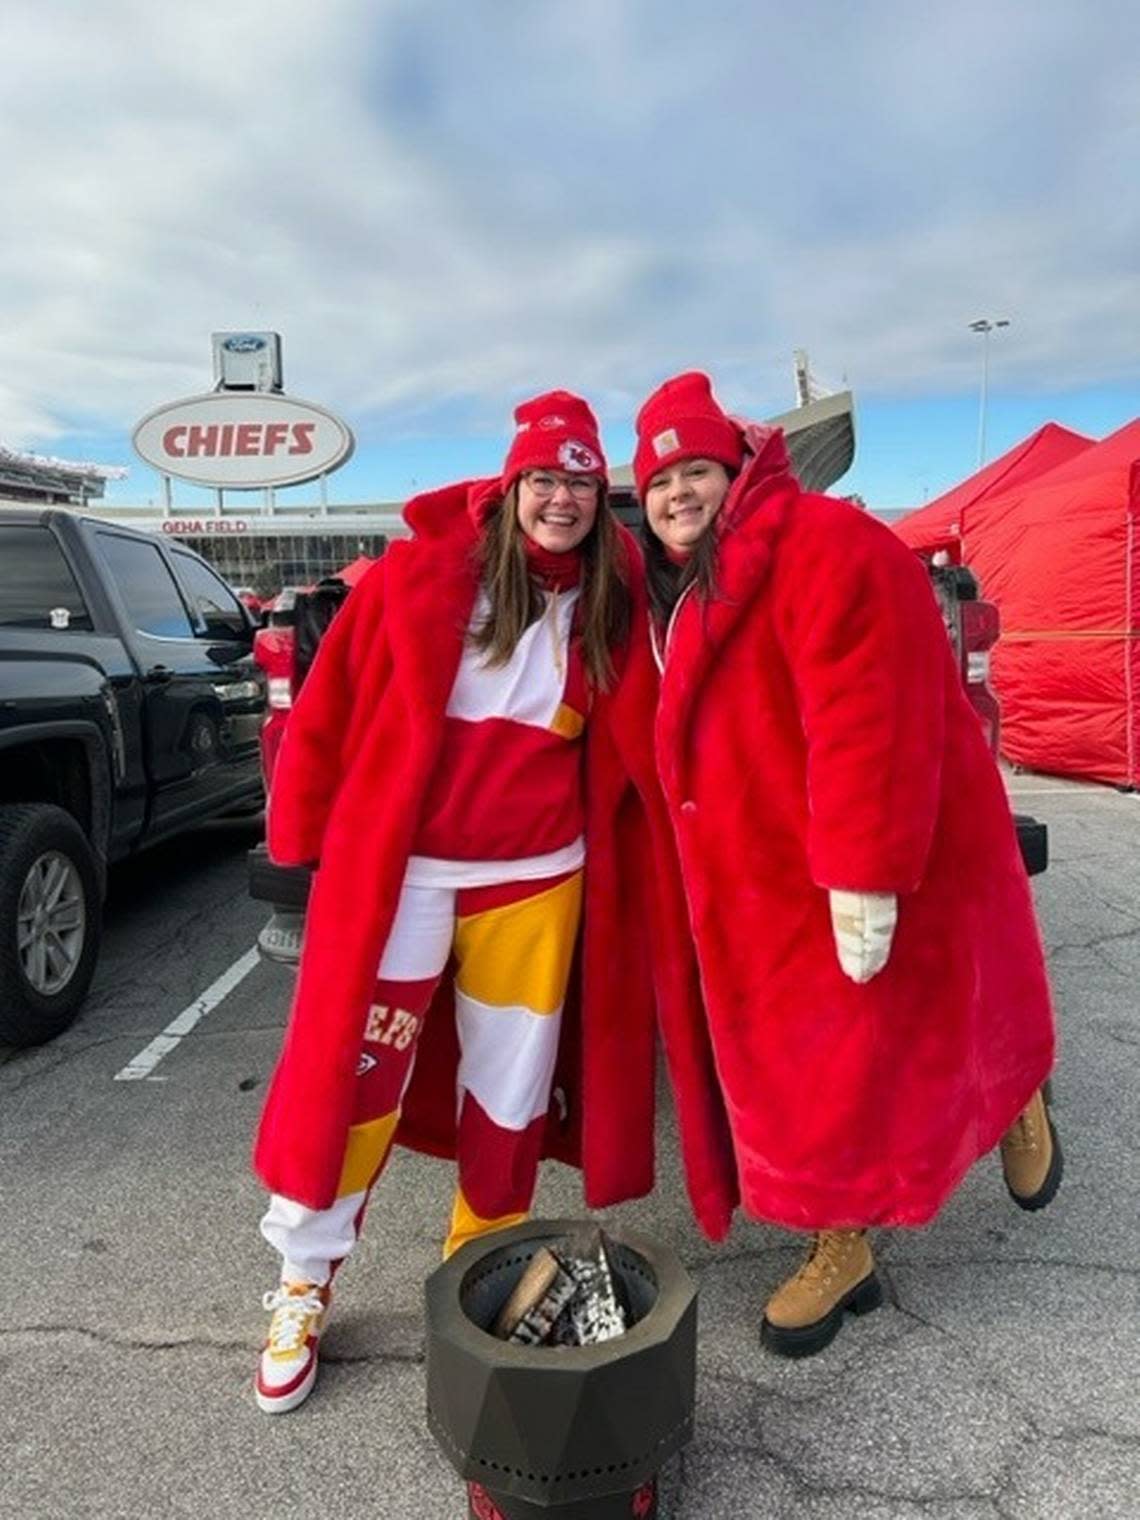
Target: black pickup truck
x: 130, y: 706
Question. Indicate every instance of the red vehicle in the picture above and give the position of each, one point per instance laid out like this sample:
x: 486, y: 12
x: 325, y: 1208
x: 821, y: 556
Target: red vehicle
x: 284, y: 649
x: 273, y: 650
x: 974, y: 626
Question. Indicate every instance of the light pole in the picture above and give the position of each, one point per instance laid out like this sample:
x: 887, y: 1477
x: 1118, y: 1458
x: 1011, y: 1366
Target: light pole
x: 984, y: 326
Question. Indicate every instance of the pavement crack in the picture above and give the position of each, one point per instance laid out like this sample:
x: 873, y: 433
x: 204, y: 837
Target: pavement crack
x: 123, y: 1342
x: 59, y: 1056
x: 409, y: 1358
x: 985, y: 1378
x: 1125, y: 1439
x: 716, y: 1257
x: 982, y: 1377
x: 1051, y: 1264
x: 1036, y: 1430
x: 815, y: 1488
x: 1119, y: 1034
x: 373, y: 1359
x: 1097, y: 942
x: 766, y: 1391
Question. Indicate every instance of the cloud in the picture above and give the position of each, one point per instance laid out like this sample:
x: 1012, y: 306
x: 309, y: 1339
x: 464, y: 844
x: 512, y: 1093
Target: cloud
x: 442, y: 206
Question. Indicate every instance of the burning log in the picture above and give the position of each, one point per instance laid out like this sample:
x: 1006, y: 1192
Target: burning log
x: 566, y: 1296
x: 541, y: 1294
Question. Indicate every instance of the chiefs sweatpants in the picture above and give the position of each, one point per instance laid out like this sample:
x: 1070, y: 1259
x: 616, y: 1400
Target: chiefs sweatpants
x: 513, y: 944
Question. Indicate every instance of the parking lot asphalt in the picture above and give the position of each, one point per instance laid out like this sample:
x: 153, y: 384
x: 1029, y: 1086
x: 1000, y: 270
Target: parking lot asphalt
x: 1000, y: 1380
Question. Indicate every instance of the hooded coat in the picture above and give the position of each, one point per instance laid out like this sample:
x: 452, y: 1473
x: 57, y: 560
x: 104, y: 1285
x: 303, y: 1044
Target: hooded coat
x: 813, y: 732
x: 349, y: 784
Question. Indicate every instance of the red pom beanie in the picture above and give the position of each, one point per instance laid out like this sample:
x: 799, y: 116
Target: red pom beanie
x: 554, y: 431
x: 683, y: 420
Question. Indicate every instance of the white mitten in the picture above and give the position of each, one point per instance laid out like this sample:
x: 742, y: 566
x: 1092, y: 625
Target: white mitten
x: 864, y: 925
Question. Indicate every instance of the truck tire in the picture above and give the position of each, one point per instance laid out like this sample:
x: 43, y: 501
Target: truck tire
x: 50, y: 921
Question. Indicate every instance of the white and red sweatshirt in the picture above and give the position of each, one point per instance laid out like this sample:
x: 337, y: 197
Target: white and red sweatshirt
x: 505, y: 802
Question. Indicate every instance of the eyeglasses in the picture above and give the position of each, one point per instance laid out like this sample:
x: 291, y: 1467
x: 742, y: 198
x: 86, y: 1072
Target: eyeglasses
x: 543, y: 483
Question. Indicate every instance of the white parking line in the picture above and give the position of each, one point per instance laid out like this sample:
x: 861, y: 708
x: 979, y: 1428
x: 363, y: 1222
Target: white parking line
x: 162, y: 1044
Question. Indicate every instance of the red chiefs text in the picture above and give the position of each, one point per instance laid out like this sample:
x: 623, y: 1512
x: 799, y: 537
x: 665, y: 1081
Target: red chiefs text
x: 262, y: 440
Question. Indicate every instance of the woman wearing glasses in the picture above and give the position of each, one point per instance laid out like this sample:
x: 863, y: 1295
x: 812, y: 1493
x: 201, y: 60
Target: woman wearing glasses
x: 870, y: 966
x: 433, y: 766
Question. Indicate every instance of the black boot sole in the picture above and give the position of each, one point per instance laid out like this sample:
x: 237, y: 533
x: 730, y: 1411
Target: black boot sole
x: 806, y: 1340
x: 1045, y: 1194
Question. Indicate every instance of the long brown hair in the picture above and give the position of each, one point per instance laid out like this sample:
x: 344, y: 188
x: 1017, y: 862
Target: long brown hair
x: 516, y: 600
x: 665, y: 582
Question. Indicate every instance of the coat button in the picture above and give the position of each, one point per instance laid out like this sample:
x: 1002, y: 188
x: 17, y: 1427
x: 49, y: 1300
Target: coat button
x: 688, y: 806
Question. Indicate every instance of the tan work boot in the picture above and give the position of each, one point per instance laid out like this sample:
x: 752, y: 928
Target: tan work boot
x: 805, y: 1313
x: 1031, y: 1156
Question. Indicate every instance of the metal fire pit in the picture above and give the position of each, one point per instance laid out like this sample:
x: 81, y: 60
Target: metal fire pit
x: 576, y: 1432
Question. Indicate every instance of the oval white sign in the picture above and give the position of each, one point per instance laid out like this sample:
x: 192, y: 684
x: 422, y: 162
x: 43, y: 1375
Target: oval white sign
x: 242, y: 440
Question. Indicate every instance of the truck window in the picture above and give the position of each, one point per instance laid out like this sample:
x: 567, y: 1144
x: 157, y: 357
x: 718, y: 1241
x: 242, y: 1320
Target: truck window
x: 37, y: 588
x: 146, y: 586
x: 216, y: 604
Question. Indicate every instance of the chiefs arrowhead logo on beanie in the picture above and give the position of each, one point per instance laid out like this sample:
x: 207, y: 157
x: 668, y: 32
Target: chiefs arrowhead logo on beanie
x: 554, y: 431
x: 683, y: 420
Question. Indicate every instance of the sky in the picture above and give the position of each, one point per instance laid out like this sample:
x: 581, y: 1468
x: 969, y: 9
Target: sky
x: 445, y: 207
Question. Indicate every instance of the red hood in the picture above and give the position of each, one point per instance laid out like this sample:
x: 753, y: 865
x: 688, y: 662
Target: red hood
x: 439, y: 513
x: 766, y: 460
x: 483, y: 498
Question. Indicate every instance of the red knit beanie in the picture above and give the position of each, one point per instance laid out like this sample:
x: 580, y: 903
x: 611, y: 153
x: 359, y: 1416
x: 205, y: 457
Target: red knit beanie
x: 554, y: 431
x: 683, y: 420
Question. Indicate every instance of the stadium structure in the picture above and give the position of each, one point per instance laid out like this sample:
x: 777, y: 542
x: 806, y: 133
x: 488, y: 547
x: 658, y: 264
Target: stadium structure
x: 53, y: 482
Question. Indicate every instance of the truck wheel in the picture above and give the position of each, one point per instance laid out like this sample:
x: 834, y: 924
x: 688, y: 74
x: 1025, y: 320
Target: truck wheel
x: 50, y: 920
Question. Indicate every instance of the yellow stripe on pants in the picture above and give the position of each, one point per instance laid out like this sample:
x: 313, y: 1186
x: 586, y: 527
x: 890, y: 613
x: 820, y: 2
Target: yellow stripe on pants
x: 368, y: 1145
x: 467, y: 1225
x: 520, y: 954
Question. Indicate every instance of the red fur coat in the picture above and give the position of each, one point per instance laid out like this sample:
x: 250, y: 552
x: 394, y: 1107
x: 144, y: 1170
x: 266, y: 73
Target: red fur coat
x: 358, y: 750
x: 813, y: 732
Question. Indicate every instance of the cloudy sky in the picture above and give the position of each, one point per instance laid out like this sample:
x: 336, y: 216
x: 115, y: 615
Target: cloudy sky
x: 443, y: 207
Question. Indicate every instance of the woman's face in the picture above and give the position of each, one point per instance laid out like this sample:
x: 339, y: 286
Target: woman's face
x: 683, y: 499
x: 557, y: 511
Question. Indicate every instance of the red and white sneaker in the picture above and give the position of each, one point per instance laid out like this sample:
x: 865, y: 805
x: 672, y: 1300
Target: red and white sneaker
x: 287, y: 1367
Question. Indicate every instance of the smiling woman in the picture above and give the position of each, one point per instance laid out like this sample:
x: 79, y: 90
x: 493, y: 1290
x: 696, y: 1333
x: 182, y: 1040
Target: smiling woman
x: 434, y: 765
x: 870, y: 971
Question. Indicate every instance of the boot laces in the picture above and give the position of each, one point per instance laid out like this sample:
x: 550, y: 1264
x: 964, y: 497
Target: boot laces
x: 826, y: 1253
x: 1022, y: 1134
x: 293, y: 1314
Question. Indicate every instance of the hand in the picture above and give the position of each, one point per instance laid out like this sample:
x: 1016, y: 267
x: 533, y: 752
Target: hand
x: 864, y: 926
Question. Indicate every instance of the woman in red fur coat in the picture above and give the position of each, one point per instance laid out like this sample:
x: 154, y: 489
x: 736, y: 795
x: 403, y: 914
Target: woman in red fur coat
x: 870, y: 964
x: 433, y: 766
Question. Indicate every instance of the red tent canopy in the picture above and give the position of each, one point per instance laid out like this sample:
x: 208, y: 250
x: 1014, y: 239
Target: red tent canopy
x: 940, y: 522
x: 1060, y: 555
x: 359, y: 567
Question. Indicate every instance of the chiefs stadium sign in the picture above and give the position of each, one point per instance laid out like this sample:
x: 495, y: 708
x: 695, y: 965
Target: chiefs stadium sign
x: 243, y: 440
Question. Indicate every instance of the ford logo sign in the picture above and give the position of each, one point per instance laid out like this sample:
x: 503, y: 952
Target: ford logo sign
x: 244, y: 343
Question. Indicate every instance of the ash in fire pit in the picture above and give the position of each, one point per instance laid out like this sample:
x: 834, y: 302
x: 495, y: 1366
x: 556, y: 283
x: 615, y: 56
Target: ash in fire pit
x: 566, y: 1296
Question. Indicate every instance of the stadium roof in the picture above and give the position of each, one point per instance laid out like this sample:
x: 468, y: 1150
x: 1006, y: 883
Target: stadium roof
x: 41, y: 478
